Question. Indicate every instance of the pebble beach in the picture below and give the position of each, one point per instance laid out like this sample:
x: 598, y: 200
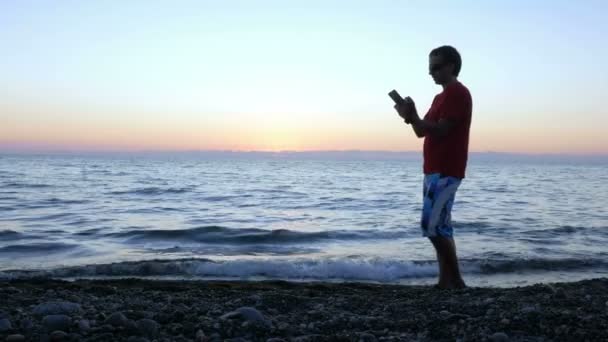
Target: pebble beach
x: 159, y: 310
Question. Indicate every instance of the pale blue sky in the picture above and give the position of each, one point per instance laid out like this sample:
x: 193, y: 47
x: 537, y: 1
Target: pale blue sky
x: 288, y: 64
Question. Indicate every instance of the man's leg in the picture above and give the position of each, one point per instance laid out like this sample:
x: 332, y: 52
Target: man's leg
x: 441, y: 262
x: 449, y: 272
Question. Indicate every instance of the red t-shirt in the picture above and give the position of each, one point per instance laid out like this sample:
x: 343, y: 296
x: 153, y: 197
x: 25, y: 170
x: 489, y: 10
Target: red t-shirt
x: 448, y: 154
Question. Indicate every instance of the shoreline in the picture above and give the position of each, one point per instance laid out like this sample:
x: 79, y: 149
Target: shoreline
x: 194, y: 310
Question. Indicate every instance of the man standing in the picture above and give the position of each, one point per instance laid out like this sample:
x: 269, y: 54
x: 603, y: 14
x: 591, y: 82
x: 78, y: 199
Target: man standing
x: 445, y: 129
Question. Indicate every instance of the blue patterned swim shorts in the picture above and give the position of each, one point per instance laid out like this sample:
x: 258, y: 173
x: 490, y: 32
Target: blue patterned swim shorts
x: 438, y: 197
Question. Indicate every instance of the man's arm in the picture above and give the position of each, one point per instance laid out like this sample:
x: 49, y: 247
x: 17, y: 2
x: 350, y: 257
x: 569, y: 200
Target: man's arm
x: 422, y: 127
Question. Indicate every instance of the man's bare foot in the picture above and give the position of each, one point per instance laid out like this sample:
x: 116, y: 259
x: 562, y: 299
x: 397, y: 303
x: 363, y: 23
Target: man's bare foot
x: 451, y: 285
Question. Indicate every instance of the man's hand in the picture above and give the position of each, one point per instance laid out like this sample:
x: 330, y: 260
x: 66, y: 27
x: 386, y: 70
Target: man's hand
x: 411, y: 111
x: 406, y: 109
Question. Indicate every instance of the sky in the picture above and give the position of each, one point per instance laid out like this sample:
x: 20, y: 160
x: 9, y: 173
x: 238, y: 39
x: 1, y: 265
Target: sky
x: 296, y: 75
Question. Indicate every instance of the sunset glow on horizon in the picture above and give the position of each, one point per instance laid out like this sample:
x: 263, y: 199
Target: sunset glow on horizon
x: 275, y: 76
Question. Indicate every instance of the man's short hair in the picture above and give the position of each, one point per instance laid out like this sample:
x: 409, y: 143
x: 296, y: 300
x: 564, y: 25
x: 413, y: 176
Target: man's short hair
x: 450, y: 55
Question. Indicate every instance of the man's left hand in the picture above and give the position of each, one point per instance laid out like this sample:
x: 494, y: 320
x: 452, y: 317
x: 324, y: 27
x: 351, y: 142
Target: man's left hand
x: 405, y: 108
x: 410, y: 112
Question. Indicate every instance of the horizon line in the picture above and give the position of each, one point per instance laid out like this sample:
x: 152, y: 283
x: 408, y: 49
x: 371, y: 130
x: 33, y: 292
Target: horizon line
x: 228, y: 151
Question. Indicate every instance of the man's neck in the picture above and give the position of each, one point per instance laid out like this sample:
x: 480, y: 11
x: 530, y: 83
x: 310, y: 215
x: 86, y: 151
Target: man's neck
x: 450, y: 81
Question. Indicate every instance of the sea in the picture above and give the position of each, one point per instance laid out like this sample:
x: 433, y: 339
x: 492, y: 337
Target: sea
x: 344, y: 216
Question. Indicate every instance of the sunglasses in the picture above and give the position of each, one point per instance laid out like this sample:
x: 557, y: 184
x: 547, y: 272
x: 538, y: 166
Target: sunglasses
x: 436, y: 67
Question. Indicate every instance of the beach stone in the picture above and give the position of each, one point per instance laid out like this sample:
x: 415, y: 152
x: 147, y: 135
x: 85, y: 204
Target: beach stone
x: 560, y: 294
x: 57, y: 308
x: 530, y: 310
x: 275, y: 339
x: 15, y: 338
x: 367, y: 337
x: 26, y: 324
x: 505, y: 321
x: 148, y: 327
x: 12, y: 290
x: 117, y: 319
x: 499, y: 337
x: 57, y: 322
x: 131, y: 326
x: 249, y: 314
x: 105, y: 337
x: 137, y: 339
x: 200, y: 336
x: 84, y: 325
x: 5, y: 325
x: 58, y: 335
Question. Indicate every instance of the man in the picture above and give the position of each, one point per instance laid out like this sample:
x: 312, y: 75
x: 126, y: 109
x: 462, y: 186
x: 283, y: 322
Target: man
x: 445, y: 129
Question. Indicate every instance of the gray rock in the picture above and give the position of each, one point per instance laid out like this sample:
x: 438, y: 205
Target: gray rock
x: 15, y: 338
x: 5, y: 325
x: 106, y: 327
x: 275, y: 339
x: 530, y: 309
x: 307, y: 338
x: 57, y: 322
x: 499, y: 337
x: 561, y: 294
x: 84, y: 325
x: 200, y: 336
x: 367, y: 337
x: 74, y: 337
x: 148, y: 327
x: 26, y: 324
x: 488, y: 301
x: 249, y: 314
x: 57, y: 308
x: 105, y: 337
x: 131, y: 326
x: 117, y: 319
x: 58, y: 335
x: 137, y: 339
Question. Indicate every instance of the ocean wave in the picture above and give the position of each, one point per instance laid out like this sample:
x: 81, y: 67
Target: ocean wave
x: 37, y: 248
x: 218, y: 234
x: 6, y: 235
x: 345, y: 269
x: 59, y: 201
x: 25, y: 185
x: 338, y: 268
x: 152, y: 191
x: 538, y: 264
x: 561, y: 231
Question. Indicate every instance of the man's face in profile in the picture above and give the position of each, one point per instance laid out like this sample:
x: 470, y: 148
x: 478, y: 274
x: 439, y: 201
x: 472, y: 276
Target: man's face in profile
x: 439, y: 70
